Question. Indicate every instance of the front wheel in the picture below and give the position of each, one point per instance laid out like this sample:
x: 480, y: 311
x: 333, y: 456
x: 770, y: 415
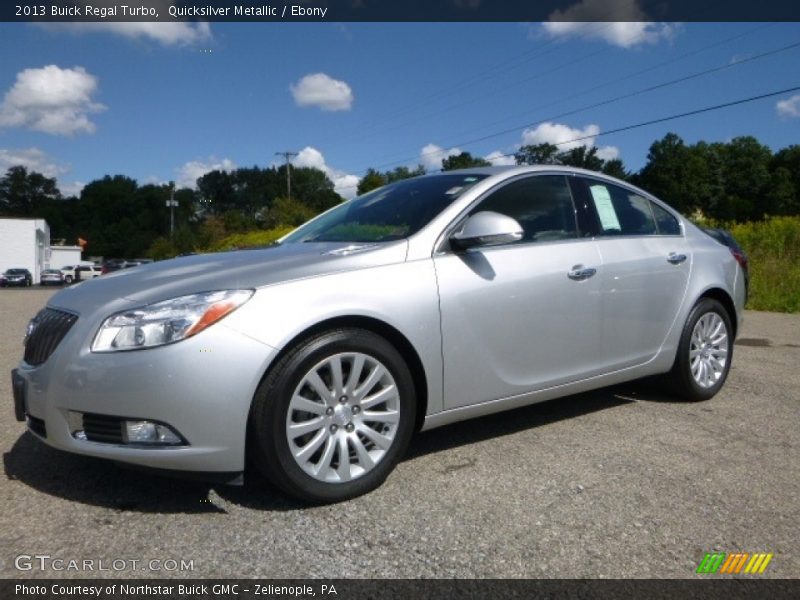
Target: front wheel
x: 334, y: 416
x: 704, y: 353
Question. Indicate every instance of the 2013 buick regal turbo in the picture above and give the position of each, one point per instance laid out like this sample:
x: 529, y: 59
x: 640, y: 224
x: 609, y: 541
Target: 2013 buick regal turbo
x: 427, y: 301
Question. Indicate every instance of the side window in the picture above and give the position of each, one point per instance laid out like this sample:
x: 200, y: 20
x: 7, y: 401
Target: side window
x: 667, y: 224
x: 620, y: 211
x: 541, y: 204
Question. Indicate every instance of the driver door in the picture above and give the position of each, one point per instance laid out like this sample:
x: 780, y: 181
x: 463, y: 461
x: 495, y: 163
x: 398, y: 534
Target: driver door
x: 516, y: 318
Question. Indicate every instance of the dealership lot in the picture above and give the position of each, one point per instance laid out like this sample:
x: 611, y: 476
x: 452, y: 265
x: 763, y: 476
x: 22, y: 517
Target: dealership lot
x: 622, y: 482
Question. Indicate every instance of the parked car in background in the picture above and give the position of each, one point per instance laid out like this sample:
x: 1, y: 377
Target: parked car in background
x: 427, y: 301
x: 113, y: 264
x: 84, y: 272
x: 725, y: 237
x: 51, y: 277
x: 17, y: 277
x: 69, y: 271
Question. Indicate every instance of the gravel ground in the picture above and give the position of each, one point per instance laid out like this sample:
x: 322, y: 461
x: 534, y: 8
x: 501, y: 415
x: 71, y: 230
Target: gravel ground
x: 622, y: 482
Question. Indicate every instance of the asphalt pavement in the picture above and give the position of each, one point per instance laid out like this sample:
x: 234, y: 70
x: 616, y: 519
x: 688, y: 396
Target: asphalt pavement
x: 621, y: 482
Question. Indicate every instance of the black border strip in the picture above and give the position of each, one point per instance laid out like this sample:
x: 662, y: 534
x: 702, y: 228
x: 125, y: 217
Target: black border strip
x: 403, y: 10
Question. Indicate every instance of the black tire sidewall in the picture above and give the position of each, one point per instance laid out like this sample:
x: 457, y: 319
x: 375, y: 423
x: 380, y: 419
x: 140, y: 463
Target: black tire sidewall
x: 273, y: 456
x: 682, y: 372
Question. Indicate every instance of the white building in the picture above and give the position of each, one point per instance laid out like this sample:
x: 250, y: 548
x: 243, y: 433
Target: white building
x: 25, y: 243
x: 63, y: 256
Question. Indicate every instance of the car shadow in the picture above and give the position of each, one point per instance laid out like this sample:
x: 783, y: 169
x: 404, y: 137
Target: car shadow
x: 103, y: 483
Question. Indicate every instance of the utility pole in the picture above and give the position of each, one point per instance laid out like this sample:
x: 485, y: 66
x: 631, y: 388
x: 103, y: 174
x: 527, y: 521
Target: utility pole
x: 172, y: 203
x: 288, y: 156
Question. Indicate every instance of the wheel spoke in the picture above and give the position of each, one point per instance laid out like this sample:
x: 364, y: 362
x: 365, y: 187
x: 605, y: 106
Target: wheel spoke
x: 308, y: 450
x: 381, y: 416
x: 335, y: 365
x: 381, y: 441
x: 295, y: 430
x: 304, y: 404
x: 364, y: 459
x: 374, y: 377
x: 355, y: 374
x: 343, y: 469
x: 325, y: 460
x: 384, y: 395
x: 315, y: 381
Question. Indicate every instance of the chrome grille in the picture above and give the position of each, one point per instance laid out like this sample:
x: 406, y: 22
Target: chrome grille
x: 51, y: 326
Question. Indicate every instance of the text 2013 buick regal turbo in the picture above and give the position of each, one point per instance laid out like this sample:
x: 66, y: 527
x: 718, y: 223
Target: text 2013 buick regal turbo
x: 427, y: 301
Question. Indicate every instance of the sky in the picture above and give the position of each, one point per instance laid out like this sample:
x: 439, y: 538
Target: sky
x: 170, y: 101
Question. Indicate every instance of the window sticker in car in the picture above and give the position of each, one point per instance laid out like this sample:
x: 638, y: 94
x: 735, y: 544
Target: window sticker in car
x: 605, y: 209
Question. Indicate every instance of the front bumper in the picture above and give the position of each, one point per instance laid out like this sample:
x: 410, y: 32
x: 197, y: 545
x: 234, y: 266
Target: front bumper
x: 202, y: 387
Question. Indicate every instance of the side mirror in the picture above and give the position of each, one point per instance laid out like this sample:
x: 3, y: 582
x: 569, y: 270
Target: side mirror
x: 486, y: 228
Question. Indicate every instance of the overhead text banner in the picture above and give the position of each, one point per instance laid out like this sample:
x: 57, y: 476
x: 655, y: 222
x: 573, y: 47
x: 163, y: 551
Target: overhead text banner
x: 401, y: 10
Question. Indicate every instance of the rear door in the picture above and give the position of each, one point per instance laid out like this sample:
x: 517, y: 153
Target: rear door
x: 646, y: 266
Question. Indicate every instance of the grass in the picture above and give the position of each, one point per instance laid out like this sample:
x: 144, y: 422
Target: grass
x: 773, y: 247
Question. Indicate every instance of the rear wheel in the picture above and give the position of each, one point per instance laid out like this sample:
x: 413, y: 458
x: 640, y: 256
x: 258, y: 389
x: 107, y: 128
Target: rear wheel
x: 334, y: 416
x: 68, y: 279
x: 704, y: 353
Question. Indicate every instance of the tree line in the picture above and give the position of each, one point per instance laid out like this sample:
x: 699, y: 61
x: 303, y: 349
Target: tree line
x: 740, y: 180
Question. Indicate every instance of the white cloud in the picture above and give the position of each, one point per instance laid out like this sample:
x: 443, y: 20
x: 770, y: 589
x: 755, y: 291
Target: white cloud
x: 594, y: 19
x: 180, y: 33
x: 344, y: 184
x: 789, y: 107
x: 567, y: 138
x: 608, y: 153
x: 51, y: 99
x: 35, y: 159
x: 190, y: 172
x: 32, y: 159
x: 318, y: 89
x: 431, y: 156
x: 71, y: 188
x: 500, y: 159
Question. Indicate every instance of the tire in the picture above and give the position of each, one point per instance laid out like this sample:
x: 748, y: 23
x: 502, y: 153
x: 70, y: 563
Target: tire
x: 310, y: 466
x: 68, y: 279
x: 704, y: 352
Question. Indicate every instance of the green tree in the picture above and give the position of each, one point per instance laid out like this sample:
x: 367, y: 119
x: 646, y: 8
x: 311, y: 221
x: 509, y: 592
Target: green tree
x: 403, y: 173
x: 372, y: 180
x: 24, y: 193
x: 581, y: 157
x: 537, y: 154
x: 465, y: 160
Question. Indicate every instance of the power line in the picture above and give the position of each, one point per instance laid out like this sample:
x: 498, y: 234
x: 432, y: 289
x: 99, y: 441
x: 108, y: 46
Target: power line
x: 667, y: 118
x: 482, y: 76
x: 368, y: 130
x: 605, y: 102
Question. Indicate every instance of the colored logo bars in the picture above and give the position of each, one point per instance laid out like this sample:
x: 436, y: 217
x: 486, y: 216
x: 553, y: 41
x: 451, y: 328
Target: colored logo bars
x: 721, y: 562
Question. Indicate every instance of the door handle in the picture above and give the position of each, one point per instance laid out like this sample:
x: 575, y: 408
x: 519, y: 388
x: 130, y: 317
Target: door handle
x: 675, y: 259
x: 579, y: 272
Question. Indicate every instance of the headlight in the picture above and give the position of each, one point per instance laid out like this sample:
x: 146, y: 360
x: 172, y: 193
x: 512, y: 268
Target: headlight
x: 166, y: 322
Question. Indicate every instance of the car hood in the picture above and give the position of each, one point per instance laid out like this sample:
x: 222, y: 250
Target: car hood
x: 238, y: 269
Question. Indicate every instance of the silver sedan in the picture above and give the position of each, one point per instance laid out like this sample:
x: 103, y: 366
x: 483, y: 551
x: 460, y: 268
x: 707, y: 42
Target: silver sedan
x: 428, y: 301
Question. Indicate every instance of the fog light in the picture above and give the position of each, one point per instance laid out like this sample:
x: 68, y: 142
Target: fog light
x: 75, y: 422
x: 147, y: 432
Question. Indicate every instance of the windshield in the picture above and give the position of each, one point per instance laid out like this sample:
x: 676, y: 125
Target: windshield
x: 16, y: 272
x: 392, y: 212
